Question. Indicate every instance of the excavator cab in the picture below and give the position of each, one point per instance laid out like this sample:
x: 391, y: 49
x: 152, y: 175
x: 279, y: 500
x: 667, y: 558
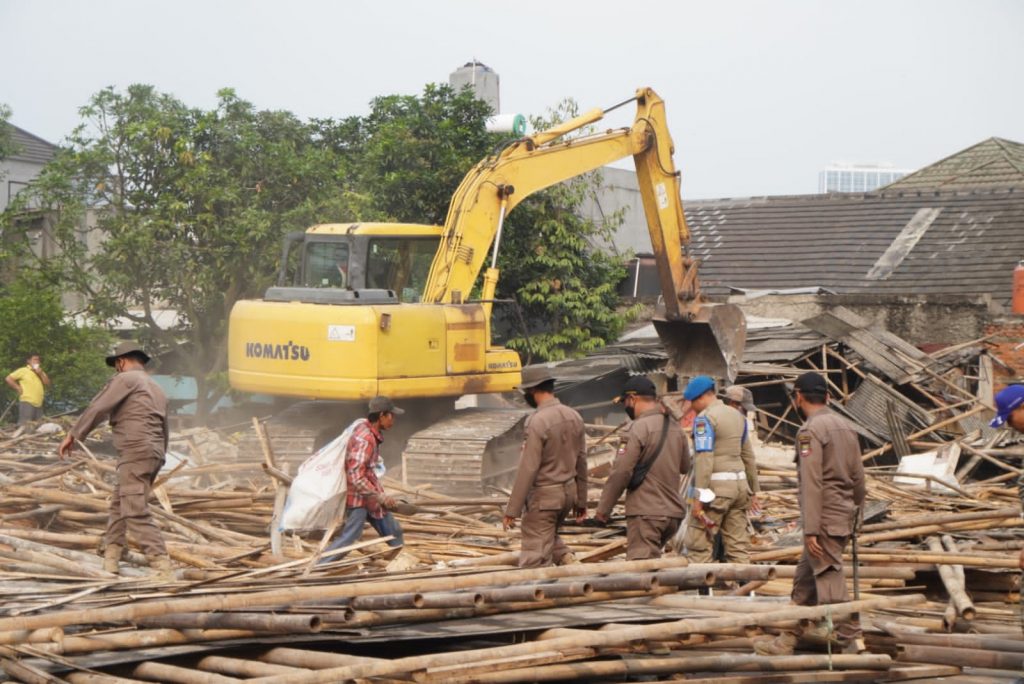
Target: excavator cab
x: 709, y: 343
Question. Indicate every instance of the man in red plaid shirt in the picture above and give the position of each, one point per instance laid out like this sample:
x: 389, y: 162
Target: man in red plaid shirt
x: 366, y: 500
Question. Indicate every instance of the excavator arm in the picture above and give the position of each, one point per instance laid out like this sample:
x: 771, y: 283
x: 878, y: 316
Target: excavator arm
x: 700, y: 338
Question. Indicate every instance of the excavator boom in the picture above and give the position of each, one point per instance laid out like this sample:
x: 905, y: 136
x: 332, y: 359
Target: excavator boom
x: 700, y: 338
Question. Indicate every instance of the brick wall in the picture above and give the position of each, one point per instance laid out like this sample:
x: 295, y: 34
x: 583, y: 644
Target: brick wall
x: 1007, y: 345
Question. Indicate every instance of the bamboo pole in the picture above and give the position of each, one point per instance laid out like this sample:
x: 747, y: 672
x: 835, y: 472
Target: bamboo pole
x: 641, y: 667
x: 566, y: 589
x: 937, y: 559
x: 120, y: 641
x: 953, y: 583
x: 963, y: 657
x: 256, y: 622
x: 291, y: 595
x: 932, y: 519
x: 243, y: 667
x: 513, y: 594
x: 94, y: 678
x: 24, y: 672
x: 173, y: 674
x: 660, y: 631
x: 866, y: 572
x: 889, y: 535
x: 971, y: 641
x: 34, y: 637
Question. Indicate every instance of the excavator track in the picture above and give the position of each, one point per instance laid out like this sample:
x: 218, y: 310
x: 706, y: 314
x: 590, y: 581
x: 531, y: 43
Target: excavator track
x: 464, y: 453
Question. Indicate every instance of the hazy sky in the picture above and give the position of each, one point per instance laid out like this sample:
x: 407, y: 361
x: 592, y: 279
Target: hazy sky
x: 760, y: 94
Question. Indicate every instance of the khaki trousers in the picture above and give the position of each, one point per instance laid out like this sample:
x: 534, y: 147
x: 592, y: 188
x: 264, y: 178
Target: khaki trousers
x: 821, y: 581
x: 729, y: 513
x: 646, y: 535
x: 129, y: 506
x: 541, y: 543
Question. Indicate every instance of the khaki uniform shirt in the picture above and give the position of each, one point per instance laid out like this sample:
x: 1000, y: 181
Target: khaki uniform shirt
x: 749, y: 460
x: 831, y: 475
x: 658, y: 495
x: 729, y: 427
x: 554, y: 453
x: 137, y: 410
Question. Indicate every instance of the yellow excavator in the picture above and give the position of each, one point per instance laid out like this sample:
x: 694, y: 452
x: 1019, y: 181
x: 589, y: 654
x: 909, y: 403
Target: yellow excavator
x: 389, y: 308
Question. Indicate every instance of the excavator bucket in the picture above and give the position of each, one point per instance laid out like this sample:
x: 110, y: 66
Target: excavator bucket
x: 710, y: 344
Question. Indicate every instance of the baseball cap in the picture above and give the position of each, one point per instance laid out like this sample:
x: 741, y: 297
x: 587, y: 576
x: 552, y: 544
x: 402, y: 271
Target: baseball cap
x: 1007, y: 401
x: 741, y: 395
x: 125, y: 348
x: 811, y: 383
x: 384, y: 405
x: 638, y: 384
x: 535, y: 375
x: 698, y: 386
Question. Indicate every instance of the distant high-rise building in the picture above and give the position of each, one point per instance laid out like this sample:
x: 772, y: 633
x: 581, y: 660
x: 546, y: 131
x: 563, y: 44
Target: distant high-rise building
x: 481, y: 78
x: 857, y: 177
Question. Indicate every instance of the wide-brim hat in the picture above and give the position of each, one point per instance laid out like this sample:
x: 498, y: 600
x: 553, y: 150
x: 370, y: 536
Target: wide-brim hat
x: 533, y: 376
x: 125, y: 348
x: 740, y: 395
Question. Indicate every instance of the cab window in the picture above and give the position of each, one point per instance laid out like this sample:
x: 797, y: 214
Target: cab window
x: 326, y: 264
x: 400, y: 264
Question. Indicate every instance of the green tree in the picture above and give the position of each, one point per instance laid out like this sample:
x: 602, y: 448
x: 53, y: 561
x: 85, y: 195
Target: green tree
x: 415, y: 150
x: 6, y: 140
x: 190, y: 207
x: 555, y: 263
x: 35, y: 322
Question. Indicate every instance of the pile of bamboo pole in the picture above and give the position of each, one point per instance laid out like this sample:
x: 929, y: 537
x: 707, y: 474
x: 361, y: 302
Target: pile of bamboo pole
x: 938, y: 580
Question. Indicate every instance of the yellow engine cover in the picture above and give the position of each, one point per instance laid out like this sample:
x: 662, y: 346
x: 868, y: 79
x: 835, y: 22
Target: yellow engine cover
x: 359, y: 351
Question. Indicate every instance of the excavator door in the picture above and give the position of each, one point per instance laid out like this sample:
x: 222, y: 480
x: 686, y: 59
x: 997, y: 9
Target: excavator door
x: 709, y: 343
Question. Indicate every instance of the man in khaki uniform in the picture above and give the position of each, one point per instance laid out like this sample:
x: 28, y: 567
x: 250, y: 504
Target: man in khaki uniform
x: 136, y: 408
x: 552, y: 475
x: 718, y: 435
x: 741, y: 399
x: 831, y: 491
x: 656, y: 444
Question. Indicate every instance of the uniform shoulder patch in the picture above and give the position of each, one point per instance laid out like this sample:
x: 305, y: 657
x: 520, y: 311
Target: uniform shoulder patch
x: 803, y: 442
x: 703, y: 435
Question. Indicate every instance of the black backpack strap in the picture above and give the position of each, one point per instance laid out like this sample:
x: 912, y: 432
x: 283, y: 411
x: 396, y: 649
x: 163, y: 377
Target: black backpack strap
x: 641, y: 469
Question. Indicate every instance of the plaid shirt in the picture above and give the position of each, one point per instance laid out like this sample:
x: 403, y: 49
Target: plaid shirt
x: 362, y: 455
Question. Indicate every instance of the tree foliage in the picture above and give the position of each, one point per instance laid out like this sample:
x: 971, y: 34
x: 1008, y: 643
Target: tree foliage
x: 35, y: 322
x: 553, y: 263
x: 161, y: 205
x: 190, y: 207
x: 6, y: 140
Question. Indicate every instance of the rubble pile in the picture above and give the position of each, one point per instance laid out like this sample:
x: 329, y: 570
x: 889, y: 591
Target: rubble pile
x: 939, y: 589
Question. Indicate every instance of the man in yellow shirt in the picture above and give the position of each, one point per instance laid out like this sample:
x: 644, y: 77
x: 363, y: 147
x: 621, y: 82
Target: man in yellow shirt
x: 28, y: 382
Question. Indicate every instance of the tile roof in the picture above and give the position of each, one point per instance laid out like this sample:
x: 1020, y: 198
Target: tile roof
x: 29, y: 147
x: 995, y: 162
x: 910, y: 242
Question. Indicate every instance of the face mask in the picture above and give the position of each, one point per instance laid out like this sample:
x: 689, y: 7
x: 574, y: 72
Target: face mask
x: 631, y: 412
x: 531, y: 401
